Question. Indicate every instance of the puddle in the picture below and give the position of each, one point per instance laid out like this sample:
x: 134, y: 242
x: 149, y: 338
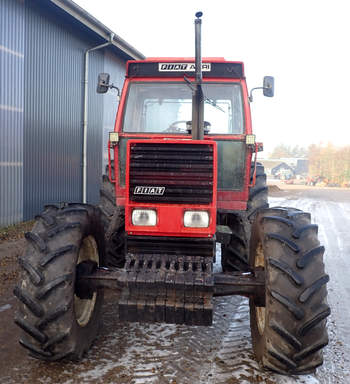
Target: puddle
x: 5, y: 307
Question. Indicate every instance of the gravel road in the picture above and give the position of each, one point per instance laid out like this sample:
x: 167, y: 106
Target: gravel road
x: 162, y: 353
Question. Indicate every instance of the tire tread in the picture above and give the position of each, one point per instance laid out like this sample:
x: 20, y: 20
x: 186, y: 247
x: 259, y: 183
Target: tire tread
x: 46, y: 313
x: 296, y: 292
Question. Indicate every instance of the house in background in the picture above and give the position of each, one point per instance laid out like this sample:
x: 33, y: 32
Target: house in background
x: 283, y: 171
x: 286, y: 168
x: 269, y: 164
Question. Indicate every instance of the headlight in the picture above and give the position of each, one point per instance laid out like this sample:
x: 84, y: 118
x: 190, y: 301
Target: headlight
x: 196, y: 219
x: 147, y: 217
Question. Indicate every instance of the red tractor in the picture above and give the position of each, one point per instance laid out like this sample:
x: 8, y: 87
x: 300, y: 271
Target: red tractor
x: 182, y: 177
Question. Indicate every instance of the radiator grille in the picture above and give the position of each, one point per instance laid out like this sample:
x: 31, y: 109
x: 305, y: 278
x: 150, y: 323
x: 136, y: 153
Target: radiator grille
x: 180, y: 246
x: 184, y: 170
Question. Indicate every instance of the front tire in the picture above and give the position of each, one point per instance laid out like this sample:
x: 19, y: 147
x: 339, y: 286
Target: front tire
x: 113, y: 218
x: 289, y: 333
x: 234, y: 256
x: 56, y: 323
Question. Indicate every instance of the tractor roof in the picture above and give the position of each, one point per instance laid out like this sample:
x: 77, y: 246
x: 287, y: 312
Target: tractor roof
x: 212, y: 67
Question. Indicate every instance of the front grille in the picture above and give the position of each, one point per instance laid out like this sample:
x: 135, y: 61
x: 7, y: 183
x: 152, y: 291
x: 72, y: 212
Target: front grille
x: 183, y: 171
x: 180, y: 246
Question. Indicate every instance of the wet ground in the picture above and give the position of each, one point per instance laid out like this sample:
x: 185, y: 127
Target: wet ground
x: 162, y: 353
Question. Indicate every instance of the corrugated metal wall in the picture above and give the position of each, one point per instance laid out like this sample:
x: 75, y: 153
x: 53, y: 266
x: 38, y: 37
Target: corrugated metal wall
x: 41, y: 112
x: 53, y: 110
x: 11, y: 110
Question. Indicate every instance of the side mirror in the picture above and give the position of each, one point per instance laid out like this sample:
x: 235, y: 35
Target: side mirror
x: 269, y: 86
x: 102, y: 83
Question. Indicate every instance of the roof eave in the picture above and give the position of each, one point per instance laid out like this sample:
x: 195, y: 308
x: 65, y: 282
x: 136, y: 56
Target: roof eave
x: 96, y: 26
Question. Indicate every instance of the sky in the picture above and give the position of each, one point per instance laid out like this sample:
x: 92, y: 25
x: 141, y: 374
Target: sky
x: 304, y: 44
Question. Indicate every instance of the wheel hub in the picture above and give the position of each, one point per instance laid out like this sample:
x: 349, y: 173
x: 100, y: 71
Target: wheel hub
x: 84, y: 308
x: 260, y: 312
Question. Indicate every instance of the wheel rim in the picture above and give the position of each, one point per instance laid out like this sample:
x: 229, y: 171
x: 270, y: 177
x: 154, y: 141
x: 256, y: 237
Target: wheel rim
x: 260, y: 312
x: 84, y: 308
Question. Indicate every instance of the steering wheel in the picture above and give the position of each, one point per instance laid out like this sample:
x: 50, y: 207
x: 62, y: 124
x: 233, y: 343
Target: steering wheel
x: 173, y: 127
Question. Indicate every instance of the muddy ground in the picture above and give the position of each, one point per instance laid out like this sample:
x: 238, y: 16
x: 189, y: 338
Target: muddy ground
x: 163, y: 353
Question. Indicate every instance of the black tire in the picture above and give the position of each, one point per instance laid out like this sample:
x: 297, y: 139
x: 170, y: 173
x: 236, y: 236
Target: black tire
x: 114, y: 223
x: 289, y: 333
x: 234, y: 256
x: 258, y: 194
x: 107, y: 200
x: 55, y: 323
x: 115, y: 240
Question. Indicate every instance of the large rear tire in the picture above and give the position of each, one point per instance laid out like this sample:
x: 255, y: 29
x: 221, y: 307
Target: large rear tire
x: 56, y: 323
x: 289, y: 333
x: 258, y: 194
x: 113, y: 218
x: 234, y: 256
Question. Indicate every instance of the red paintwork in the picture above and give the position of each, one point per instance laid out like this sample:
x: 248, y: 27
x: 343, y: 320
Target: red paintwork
x: 112, y: 178
x: 170, y: 216
x: 252, y: 183
x: 226, y: 200
x: 233, y: 205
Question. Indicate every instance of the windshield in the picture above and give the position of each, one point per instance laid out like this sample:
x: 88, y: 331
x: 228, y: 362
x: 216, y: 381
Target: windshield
x: 167, y: 108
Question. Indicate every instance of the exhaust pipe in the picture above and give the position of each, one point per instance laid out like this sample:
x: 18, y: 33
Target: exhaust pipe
x: 197, y: 97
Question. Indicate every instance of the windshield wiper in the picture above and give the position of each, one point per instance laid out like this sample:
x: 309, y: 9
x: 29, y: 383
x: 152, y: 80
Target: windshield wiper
x: 213, y: 103
x: 206, y: 99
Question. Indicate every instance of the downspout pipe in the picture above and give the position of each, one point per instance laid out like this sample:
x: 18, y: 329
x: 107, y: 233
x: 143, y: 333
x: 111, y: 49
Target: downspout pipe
x: 85, y: 118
